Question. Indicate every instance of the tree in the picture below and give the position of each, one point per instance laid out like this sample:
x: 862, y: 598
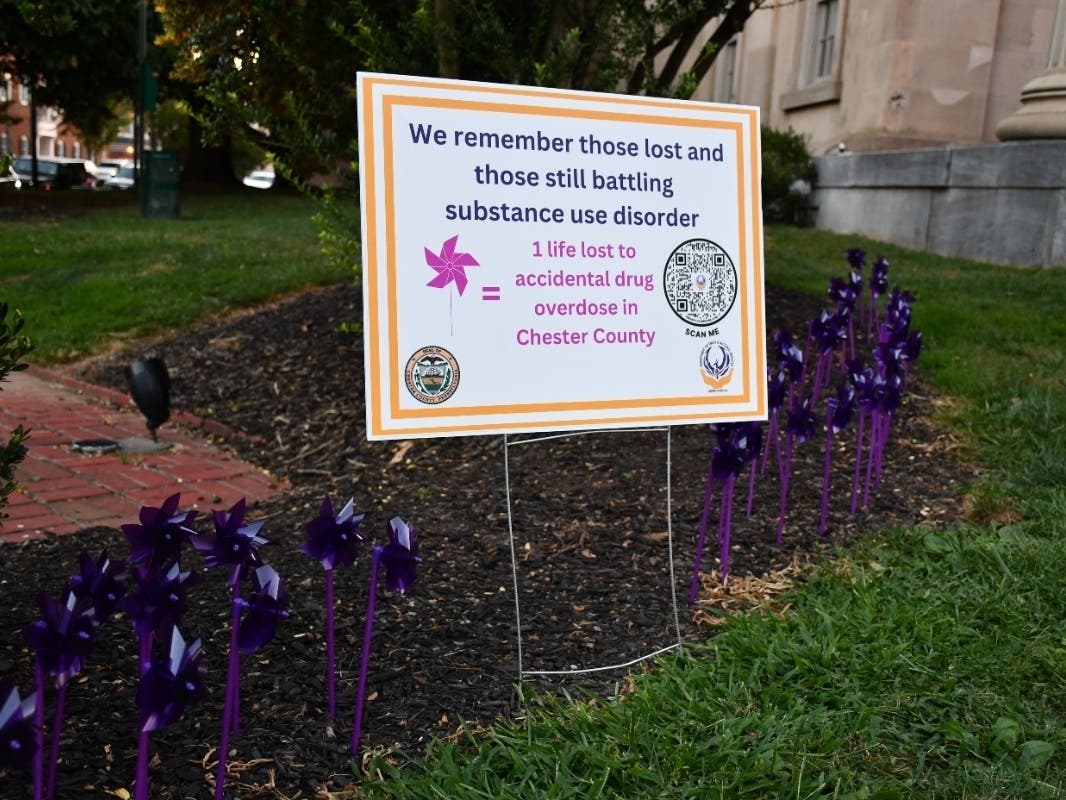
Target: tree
x: 282, y: 74
x: 76, y: 57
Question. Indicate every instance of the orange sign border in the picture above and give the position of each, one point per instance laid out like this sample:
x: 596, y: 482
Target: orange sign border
x: 754, y: 383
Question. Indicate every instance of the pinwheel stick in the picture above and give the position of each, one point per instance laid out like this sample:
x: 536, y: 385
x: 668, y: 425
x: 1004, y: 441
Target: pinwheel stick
x: 57, y: 727
x: 364, y: 659
x: 140, y: 784
x: 331, y: 682
x: 751, y: 486
x: 694, y: 585
x: 725, y: 525
x: 38, y: 724
x: 782, y: 510
x: 826, y: 468
x: 229, y: 709
x: 858, y: 461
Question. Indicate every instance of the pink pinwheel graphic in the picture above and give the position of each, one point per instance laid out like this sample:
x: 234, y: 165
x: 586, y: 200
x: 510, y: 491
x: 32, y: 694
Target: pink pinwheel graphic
x: 450, y: 267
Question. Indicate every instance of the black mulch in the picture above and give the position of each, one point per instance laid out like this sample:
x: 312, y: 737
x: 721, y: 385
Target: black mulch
x: 590, y: 523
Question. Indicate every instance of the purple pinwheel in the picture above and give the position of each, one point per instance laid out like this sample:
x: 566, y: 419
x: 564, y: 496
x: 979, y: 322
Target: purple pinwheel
x: 878, y: 286
x: 18, y: 743
x: 167, y: 688
x: 789, y: 355
x: 828, y: 332
x: 333, y: 540
x: 400, y: 557
x: 842, y: 293
x: 799, y: 428
x: 158, y: 539
x: 61, y: 640
x: 101, y: 585
x: 737, y: 444
x: 156, y: 604
x: 258, y: 626
x: 776, y: 392
x: 265, y: 608
x: 450, y: 267
x: 233, y: 545
x: 845, y: 294
x: 839, y: 411
x: 870, y: 394
x: 888, y: 401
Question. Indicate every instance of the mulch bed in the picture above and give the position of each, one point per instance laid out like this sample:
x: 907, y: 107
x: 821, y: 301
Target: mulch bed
x: 590, y: 524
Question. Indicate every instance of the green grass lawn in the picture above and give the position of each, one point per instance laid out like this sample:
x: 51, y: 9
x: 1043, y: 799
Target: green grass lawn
x: 921, y: 663
x: 92, y: 270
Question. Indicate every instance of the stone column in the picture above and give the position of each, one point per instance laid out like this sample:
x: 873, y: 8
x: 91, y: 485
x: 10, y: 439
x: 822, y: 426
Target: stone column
x: 1043, y: 111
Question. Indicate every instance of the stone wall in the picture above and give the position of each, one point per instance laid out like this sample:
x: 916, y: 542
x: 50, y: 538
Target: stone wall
x: 1004, y: 203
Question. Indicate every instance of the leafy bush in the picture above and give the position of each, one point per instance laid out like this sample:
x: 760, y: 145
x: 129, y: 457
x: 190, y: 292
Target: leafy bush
x: 13, y: 346
x: 788, y: 176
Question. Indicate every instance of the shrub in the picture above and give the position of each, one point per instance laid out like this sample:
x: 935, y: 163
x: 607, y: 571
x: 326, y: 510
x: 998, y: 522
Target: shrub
x: 788, y: 176
x: 13, y: 346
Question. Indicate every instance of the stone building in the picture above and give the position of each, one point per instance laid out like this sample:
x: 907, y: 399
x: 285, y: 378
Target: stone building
x: 939, y: 124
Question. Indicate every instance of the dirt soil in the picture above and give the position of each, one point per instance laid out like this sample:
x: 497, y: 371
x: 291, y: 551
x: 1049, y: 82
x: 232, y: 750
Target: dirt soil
x: 590, y: 522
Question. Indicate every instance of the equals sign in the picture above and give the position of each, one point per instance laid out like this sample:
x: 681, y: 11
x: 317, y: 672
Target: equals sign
x: 490, y: 292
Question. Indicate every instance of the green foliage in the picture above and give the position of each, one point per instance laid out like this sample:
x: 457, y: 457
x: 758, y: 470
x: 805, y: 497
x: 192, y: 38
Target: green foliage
x: 14, y: 345
x: 268, y: 72
x: 788, y: 176
x: 77, y: 57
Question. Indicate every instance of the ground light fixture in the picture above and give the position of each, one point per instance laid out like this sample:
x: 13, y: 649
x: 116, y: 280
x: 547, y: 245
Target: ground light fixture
x: 149, y: 386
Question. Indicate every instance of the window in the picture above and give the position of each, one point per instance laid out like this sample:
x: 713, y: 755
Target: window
x: 5, y: 143
x: 5, y: 90
x: 725, y: 68
x: 77, y: 150
x: 1057, y: 56
x: 24, y: 94
x: 61, y: 148
x: 823, y: 42
x: 819, y: 46
x: 24, y: 145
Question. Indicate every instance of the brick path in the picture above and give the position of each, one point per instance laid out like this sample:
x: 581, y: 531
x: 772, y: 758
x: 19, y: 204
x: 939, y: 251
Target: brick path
x: 62, y: 491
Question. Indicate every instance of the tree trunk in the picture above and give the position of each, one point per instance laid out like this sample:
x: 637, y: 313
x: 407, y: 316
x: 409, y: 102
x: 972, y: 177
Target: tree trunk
x: 447, y: 52
x: 207, y: 164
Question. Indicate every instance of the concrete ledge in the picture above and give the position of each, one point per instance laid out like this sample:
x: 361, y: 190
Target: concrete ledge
x: 1003, y: 203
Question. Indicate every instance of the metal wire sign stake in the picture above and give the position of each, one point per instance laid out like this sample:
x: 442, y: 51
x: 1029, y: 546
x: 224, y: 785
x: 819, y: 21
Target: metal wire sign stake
x: 676, y: 645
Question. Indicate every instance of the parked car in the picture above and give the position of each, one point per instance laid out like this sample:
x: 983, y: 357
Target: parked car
x: 108, y: 169
x: 55, y: 173
x: 123, y: 179
x: 262, y: 178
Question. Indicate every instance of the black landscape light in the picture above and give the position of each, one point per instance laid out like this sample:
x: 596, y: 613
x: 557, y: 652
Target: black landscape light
x: 149, y: 384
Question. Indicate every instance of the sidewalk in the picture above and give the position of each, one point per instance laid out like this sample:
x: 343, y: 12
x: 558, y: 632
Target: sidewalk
x: 62, y: 491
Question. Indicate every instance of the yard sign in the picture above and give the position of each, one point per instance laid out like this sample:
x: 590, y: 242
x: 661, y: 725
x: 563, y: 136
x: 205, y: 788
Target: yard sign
x: 539, y: 259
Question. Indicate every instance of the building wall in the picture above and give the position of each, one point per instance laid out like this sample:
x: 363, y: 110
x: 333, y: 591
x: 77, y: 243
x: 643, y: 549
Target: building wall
x: 907, y: 73
x: 1003, y: 203
x: 53, y: 137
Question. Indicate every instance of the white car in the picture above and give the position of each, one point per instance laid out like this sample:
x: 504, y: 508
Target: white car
x: 262, y: 178
x: 124, y: 178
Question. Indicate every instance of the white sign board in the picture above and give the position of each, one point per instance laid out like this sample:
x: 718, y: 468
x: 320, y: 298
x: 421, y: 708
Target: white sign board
x: 539, y: 259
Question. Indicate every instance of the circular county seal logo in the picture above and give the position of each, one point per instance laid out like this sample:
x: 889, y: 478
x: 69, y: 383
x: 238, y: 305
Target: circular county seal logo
x: 700, y: 282
x: 716, y: 364
x: 432, y: 375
